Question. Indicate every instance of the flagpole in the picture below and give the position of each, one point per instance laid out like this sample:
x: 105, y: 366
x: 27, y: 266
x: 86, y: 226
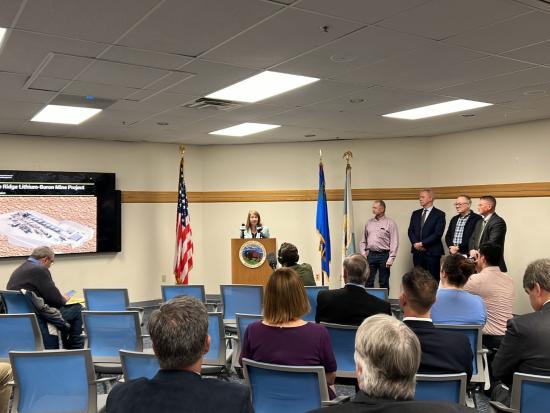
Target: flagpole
x: 322, y: 272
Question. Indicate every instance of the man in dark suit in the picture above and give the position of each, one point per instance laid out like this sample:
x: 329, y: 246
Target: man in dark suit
x: 524, y: 348
x: 443, y: 352
x: 425, y: 231
x: 351, y: 304
x: 387, y: 354
x: 179, y: 332
x: 461, y: 226
x: 490, y: 230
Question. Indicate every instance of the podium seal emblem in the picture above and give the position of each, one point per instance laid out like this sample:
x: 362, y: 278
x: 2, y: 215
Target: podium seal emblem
x: 252, y: 254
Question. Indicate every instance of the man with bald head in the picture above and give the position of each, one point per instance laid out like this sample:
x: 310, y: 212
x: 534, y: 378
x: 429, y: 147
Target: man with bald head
x: 461, y: 226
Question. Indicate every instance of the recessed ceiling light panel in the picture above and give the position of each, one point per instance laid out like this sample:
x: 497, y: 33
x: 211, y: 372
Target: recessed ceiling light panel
x: 69, y: 115
x: 2, y: 34
x: 244, y: 129
x: 262, y: 86
x: 438, y: 109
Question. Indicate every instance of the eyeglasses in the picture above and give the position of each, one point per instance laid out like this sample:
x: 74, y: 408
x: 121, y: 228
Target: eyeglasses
x: 460, y: 204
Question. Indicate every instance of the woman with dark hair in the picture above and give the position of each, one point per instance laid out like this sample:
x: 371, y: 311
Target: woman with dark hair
x: 253, y: 227
x: 453, y: 304
x: 282, y: 337
x: 288, y: 257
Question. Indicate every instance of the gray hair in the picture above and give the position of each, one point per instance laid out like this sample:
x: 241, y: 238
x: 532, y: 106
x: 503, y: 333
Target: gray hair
x: 388, y: 353
x: 467, y: 198
x: 42, y: 252
x: 356, y: 268
x: 179, y: 331
x: 381, y: 203
x: 429, y: 191
x: 537, y: 272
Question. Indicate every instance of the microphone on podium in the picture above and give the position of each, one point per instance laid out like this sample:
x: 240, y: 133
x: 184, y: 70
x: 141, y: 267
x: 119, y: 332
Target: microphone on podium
x: 243, y: 228
x: 259, y: 232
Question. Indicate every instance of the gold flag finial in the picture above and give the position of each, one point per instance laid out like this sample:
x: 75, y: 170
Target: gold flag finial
x: 182, y: 150
x: 347, y: 156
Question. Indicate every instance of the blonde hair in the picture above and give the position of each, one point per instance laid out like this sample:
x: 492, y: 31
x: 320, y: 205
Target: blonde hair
x: 285, y: 298
x: 253, y: 212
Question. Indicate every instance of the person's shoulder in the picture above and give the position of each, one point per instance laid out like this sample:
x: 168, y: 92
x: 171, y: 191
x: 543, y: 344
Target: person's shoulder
x: 131, y: 387
x: 235, y: 389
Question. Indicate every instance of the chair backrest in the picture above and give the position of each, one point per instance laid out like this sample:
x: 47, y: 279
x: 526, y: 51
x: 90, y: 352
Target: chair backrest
x: 530, y: 393
x: 312, y: 296
x: 216, y: 356
x: 54, y: 381
x: 381, y: 293
x: 238, y: 298
x: 343, y: 345
x: 441, y: 387
x: 474, y: 334
x: 243, y: 321
x: 106, y: 299
x: 137, y: 364
x: 19, y: 332
x: 15, y: 302
x: 289, y: 389
x: 171, y: 291
x: 111, y: 331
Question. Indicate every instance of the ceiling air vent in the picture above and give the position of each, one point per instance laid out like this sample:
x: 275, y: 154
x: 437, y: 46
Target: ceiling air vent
x: 218, y: 104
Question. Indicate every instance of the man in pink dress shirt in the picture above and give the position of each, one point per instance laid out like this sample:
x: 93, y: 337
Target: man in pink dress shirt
x: 379, y: 245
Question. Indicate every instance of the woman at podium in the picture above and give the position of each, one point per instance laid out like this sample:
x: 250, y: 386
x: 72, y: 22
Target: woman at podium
x: 254, y: 227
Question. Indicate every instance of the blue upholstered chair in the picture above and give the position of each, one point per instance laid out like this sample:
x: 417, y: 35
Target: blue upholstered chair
x: 381, y: 293
x: 15, y: 302
x: 218, y: 358
x: 136, y: 364
x: 343, y: 345
x: 312, y: 296
x: 441, y: 387
x: 171, y: 291
x: 530, y: 394
x: 237, y: 298
x: 19, y: 332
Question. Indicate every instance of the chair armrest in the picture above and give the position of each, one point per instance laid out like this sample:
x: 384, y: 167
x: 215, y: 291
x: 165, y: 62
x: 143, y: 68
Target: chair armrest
x: 334, y: 402
x: 140, y: 309
x: 105, y: 379
x: 502, y: 408
x: 145, y: 336
x: 11, y: 383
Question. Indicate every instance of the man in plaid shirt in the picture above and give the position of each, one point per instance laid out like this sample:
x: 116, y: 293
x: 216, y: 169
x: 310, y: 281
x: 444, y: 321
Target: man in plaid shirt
x: 461, y: 226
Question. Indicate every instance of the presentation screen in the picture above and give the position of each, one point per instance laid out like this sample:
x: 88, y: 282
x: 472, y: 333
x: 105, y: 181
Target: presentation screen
x: 70, y: 212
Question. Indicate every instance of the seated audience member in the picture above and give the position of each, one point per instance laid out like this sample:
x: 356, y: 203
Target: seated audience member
x: 179, y: 332
x: 288, y: 257
x: 443, y: 352
x: 524, y: 348
x: 497, y: 291
x: 282, y: 337
x: 5, y: 390
x: 351, y: 304
x: 453, y: 304
x: 387, y: 354
x: 34, y: 275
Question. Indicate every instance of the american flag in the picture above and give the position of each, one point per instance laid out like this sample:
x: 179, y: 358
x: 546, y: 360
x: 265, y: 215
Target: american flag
x: 183, y: 259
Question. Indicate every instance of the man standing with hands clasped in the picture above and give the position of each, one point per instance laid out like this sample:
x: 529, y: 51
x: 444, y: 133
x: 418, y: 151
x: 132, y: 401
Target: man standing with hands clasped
x: 461, y: 226
x: 379, y: 245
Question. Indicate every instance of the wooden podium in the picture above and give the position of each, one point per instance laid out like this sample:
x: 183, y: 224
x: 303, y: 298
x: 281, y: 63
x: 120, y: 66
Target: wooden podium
x: 241, y: 274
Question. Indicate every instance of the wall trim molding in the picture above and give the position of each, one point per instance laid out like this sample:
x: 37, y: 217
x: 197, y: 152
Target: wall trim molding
x: 521, y: 190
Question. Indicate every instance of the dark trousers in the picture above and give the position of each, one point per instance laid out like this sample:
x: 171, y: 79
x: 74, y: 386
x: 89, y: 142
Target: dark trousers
x: 72, y: 315
x: 377, y: 264
x: 431, y: 263
x: 492, y: 343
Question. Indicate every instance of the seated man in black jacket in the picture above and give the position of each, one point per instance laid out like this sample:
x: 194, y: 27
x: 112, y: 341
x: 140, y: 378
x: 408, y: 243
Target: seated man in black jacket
x: 34, y: 275
x: 179, y: 332
x: 351, y: 304
x: 443, y: 352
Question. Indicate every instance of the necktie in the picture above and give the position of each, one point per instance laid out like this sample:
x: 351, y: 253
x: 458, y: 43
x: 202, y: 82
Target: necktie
x: 422, y: 220
x: 478, y: 239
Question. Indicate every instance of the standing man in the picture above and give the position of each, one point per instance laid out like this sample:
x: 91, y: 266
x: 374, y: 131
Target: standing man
x: 425, y: 232
x: 379, y: 245
x: 461, y: 226
x: 490, y: 230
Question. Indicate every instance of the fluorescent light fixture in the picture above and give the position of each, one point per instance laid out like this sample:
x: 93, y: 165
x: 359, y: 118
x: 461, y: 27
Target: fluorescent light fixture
x: 244, y: 129
x: 438, y: 109
x: 70, y: 115
x: 2, y: 34
x: 262, y: 86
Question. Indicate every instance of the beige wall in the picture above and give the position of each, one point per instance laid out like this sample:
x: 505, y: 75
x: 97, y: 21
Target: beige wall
x: 518, y: 154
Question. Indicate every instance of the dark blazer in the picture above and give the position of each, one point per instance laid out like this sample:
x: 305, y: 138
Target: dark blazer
x: 524, y: 348
x: 443, y: 352
x: 495, y: 233
x: 172, y: 391
x: 433, y: 230
x: 468, y: 231
x: 349, y: 305
x: 38, y: 279
x: 364, y: 403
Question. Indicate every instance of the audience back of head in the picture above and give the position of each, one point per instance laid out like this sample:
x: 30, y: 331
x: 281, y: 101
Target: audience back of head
x: 356, y: 269
x: 457, y: 269
x: 288, y: 254
x: 420, y: 288
x: 285, y: 298
x: 492, y: 253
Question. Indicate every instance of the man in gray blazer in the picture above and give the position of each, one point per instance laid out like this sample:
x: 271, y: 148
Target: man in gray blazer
x: 491, y: 229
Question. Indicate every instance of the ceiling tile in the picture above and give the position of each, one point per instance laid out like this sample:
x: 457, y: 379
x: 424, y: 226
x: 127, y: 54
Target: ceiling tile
x: 97, y: 20
x: 149, y: 58
x: 121, y: 74
x: 11, y: 85
x: 282, y: 37
x: 508, y: 35
x: 538, y: 53
x: 440, y: 19
x: 19, y: 110
x: 313, y: 93
x: 9, y: 125
x: 65, y: 66
x: 8, y: 10
x: 191, y: 27
x: 99, y: 90
x: 366, y: 11
x: 355, y: 50
x: 51, y: 84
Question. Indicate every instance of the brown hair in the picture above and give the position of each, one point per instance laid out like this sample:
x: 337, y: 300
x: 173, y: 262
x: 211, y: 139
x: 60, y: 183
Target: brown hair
x: 253, y: 212
x: 285, y: 297
x: 420, y: 288
x: 457, y: 269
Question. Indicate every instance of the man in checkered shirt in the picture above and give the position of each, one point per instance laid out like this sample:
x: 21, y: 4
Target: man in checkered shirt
x: 461, y: 226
